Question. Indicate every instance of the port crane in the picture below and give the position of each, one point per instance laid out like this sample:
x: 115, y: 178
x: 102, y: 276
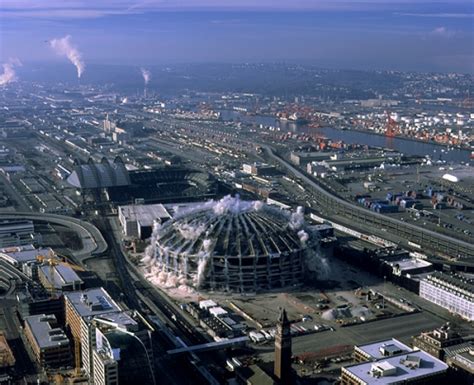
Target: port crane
x: 391, y: 127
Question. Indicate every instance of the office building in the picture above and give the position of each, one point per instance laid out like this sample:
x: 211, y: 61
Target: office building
x: 436, y: 341
x: 450, y: 291
x: 122, y: 353
x: 417, y: 367
x: 380, y: 349
x: 48, y: 342
x: 81, y: 307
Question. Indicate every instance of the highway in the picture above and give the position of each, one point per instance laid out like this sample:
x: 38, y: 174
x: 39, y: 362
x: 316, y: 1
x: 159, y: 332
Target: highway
x: 93, y: 243
x: 373, y: 221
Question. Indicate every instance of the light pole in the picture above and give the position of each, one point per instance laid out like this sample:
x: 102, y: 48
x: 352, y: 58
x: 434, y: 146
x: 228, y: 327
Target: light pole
x: 383, y: 291
x: 150, y: 364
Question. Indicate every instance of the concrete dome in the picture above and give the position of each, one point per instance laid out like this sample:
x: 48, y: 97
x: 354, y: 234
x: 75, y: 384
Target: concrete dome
x: 234, y: 245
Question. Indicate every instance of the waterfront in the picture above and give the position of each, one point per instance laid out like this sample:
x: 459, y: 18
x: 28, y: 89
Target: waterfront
x: 404, y: 145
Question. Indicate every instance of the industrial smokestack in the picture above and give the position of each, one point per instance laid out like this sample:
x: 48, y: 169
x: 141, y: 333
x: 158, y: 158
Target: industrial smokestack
x: 9, y: 74
x: 63, y: 47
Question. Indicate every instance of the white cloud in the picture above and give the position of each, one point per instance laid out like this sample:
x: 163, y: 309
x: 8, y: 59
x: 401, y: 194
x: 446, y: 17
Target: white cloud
x: 442, y: 32
x: 438, y: 15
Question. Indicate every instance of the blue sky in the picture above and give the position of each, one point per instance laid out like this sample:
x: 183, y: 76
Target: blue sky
x: 371, y: 34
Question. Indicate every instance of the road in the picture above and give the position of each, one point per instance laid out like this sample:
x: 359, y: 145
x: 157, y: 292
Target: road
x: 93, y: 242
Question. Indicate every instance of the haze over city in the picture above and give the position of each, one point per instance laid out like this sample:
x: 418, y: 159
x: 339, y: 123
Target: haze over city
x: 376, y: 34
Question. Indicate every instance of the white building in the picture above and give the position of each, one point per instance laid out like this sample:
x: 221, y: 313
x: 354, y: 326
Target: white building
x: 412, y: 368
x: 137, y: 220
x: 451, y: 291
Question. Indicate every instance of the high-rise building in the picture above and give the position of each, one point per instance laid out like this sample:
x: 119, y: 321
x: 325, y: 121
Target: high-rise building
x: 123, y: 351
x: 81, y: 308
x: 282, y: 369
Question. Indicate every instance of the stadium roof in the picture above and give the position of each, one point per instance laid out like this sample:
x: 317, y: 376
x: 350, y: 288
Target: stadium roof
x: 100, y: 175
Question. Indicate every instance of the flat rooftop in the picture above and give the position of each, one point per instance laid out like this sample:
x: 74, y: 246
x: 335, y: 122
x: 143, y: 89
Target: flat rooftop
x: 121, y: 320
x: 429, y: 365
x: 23, y: 254
x: 92, y: 302
x: 407, y: 264
x: 45, y: 335
x: 63, y: 275
x: 145, y: 214
x: 373, y: 349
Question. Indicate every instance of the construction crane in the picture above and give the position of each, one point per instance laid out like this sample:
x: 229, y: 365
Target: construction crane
x: 52, y: 261
x: 391, y: 127
x: 77, y: 356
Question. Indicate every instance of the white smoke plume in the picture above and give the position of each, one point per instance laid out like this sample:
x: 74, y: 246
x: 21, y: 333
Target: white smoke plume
x: 9, y: 74
x: 189, y: 231
x: 233, y: 205
x: 297, y: 219
x: 146, y: 75
x: 303, y: 235
x: 63, y: 47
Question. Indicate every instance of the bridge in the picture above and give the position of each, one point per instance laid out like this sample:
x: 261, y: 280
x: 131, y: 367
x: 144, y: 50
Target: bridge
x: 210, y: 346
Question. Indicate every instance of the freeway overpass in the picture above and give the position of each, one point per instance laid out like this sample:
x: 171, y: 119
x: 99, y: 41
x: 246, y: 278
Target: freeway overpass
x: 462, y: 252
x: 92, y: 240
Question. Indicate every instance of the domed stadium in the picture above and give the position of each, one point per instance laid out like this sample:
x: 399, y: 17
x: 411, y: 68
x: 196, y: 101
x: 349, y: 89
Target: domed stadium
x: 150, y: 185
x: 231, y: 245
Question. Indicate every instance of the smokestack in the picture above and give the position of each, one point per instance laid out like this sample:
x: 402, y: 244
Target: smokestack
x: 63, y: 47
x: 9, y: 74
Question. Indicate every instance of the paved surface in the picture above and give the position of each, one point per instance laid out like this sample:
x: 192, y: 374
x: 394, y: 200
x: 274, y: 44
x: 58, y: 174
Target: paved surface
x: 399, y: 327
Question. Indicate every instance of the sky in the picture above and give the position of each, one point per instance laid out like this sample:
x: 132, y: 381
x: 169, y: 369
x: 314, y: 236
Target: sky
x: 371, y: 34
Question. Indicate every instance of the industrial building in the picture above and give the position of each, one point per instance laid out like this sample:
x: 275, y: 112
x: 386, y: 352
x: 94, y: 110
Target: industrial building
x: 380, y: 349
x: 463, y: 361
x: 450, y: 291
x: 234, y: 245
x: 137, y: 220
x: 17, y: 233
x: 415, y: 367
x: 303, y: 158
x: 258, y: 168
x: 48, y: 342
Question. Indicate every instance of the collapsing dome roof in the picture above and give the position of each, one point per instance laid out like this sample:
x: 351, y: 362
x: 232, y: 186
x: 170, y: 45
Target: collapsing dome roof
x: 240, y: 229
x: 231, y: 245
